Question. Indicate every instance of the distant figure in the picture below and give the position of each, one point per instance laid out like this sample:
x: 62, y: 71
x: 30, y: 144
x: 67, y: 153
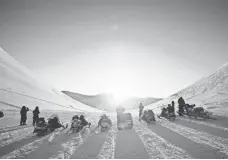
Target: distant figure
x: 181, y: 103
x: 1, y: 114
x: 173, y: 104
x: 23, y: 113
x: 36, y: 113
x: 120, y: 110
x: 173, y: 108
x: 141, y: 107
x: 164, y: 113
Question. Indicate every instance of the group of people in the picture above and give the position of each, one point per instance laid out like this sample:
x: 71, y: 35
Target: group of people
x: 80, y: 120
x: 186, y: 108
x: 148, y: 115
x: 170, y: 110
x: 23, y: 113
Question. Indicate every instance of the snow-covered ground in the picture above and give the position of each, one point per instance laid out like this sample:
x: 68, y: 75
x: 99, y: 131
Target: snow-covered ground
x: 211, y: 92
x: 184, y: 138
x: 181, y: 139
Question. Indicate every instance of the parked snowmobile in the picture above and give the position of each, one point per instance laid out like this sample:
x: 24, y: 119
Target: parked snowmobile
x: 125, y: 121
x: 171, y: 117
x: 199, y: 112
x: 43, y: 128
x: 76, y: 124
x: 105, y: 123
x: 148, y: 116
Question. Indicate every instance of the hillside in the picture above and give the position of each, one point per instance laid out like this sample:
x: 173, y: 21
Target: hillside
x: 19, y: 86
x: 107, y: 102
x: 210, y: 92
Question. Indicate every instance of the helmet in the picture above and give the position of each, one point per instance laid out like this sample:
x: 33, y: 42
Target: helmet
x: 54, y: 116
x: 75, y: 117
x: 82, y: 117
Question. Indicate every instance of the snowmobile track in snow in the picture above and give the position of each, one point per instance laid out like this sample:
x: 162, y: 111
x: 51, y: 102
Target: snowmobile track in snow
x: 218, y: 143
x: 108, y: 148
x: 157, y: 147
x: 13, y: 128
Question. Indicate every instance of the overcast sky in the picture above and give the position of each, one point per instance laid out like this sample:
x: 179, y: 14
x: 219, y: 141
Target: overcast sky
x: 141, y: 48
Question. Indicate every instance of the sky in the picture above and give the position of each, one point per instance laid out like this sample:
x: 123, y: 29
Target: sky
x: 146, y: 48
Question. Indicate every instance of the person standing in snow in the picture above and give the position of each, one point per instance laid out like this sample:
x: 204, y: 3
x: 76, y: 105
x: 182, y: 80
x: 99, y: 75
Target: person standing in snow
x: 181, y: 103
x: 23, y: 113
x: 173, y: 107
x: 36, y: 113
x: 141, y: 107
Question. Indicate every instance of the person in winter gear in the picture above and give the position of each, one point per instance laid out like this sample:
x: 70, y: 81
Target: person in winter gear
x: 104, y: 119
x: 23, y: 113
x: 164, y: 112
x: 181, y: 103
x: 36, y: 113
x: 83, y: 121
x: 1, y: 114
x: 173, y: 108
x: 141, y: 107
x: 75, y: 117
x: 119, y: 111
x: 151, y: 116
x: 54, y: 123
x: 76, y: 122
x: 171, y: 111
x: 173, y: 104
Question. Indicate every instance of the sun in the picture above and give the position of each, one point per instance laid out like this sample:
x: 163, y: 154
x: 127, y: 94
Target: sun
x: 119, y: 98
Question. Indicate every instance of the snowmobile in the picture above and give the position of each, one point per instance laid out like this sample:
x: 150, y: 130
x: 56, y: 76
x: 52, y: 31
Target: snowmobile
x: 199, y: 112
x: 1, y: 114
x: 43, y: 128
x: 76, y: 125
x: 105, y: 123
x: 149, y: 117
x: 171, y: 117
x: 124, y: 121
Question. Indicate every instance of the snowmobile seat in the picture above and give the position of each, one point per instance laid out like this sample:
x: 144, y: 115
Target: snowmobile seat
x: 41, y: 121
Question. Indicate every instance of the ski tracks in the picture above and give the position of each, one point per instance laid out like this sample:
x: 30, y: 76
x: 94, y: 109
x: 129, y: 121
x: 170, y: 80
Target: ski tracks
x: 28, y: 148
x: 108, y: 148
x: 218, y: 143
x: 157, y: 147
x: 204, y: 123
x: 70, y: 147
x: 15, y: 136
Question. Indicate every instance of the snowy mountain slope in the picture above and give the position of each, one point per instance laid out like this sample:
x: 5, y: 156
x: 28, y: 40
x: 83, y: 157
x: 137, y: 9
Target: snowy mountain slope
x: 211, y: 92
x: 107, y: 102
x: 19, y: 86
